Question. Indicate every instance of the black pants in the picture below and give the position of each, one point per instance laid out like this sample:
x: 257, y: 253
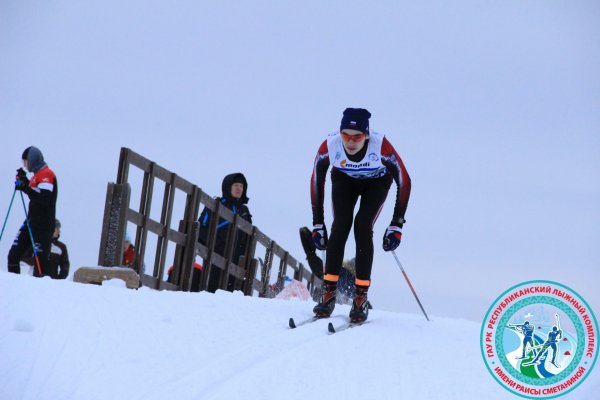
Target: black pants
x: 345, y: 194
x: 22, y: 246
x: 214, y: 279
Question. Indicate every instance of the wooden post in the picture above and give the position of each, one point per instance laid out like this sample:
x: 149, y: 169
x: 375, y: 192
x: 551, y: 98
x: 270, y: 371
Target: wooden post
x: 229, y: 249
x: 249, y: 282
x: 266, y: 273
x: 113, y: 226
x: 212, y: 235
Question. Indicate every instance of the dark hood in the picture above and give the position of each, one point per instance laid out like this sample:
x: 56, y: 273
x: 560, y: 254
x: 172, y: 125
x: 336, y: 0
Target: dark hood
x: 230, y: 180
x: 35, y: 159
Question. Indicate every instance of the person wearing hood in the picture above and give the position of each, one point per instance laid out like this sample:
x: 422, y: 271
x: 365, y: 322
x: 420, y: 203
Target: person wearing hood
x: 42, y: 191
x: 234, y: 189
x: 59, y: 257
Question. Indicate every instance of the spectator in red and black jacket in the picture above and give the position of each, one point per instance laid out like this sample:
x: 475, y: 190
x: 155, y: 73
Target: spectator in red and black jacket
x: 42, y: 191
x: 128, y: 252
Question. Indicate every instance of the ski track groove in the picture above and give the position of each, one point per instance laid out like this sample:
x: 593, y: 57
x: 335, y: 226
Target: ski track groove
x: 285, y: 346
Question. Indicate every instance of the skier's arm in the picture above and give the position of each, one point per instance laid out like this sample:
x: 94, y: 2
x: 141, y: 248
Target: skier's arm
x: 394, y: 163
x: 317, y: 184
x: 41, y: 194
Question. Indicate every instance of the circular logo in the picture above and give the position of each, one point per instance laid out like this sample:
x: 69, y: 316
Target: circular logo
x: 539, y: 339
x: 373, y: 157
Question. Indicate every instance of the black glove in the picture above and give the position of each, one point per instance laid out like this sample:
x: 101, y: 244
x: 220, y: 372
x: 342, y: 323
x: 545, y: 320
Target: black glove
x: 392, y: 237
x: 319, y: 236
x: 21, y: 181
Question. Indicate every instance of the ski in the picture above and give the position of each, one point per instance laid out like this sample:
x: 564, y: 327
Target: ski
x: 293, y: 324
x: 348, y: 325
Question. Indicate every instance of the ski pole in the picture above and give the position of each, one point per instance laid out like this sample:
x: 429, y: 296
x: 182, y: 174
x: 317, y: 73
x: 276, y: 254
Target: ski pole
x: 37, y: 260
x: 410, y: 284
x: 7, y: 213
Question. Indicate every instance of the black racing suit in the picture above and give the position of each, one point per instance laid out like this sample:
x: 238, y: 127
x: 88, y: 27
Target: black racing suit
x: 346, y: 190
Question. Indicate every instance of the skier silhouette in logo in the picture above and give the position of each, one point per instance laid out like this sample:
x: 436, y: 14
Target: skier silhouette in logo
x: 551, y: 341
x: 527, y: 330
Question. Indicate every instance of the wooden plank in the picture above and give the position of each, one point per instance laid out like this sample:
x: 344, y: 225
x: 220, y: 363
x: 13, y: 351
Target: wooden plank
x: 123, y: 171
x: 177, y: 237
x: 165, y: 219
x: 103, y: 257
x: 212, y: 235
x: 262, y: 238
x: 230, y: 243
x: 145, y: 206
x: 185, y: 186
x: 140, y: 161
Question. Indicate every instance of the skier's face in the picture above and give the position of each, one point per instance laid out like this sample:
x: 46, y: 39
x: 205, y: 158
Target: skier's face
x: 353, y: 140
x: 26, y: 165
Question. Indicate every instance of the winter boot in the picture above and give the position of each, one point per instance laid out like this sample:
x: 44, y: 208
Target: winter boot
x: 360, y: 305
x: 327, y: 302
x: 314, y: 262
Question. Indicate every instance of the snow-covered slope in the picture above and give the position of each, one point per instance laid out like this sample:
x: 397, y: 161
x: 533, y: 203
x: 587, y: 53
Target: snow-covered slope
x: 62, y: 340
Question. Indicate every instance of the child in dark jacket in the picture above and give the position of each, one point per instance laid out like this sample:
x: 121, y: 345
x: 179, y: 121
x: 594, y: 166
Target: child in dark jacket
x: 234, y: 188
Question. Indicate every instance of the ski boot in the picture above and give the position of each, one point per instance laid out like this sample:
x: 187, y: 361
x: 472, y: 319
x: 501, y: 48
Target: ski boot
x: 327, y: 302
x: 360, y: 305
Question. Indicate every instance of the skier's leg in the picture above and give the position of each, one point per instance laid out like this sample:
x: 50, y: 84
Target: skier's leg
x: 554, y: 349
x: 371, y: 203
x: 343, y: 197
x: 21, y: 244
x: 527, y: 341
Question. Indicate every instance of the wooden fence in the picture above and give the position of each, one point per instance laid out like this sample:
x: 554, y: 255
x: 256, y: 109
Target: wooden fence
x: 118, y: 214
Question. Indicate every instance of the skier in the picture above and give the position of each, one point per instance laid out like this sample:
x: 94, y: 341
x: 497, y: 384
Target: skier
x: 234, y: 188
x: 364, y: 163
x: 551, y: 341
x: 527, y: 330
x: 42, y: 191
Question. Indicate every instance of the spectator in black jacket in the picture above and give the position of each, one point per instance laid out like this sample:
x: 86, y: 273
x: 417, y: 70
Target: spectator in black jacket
x: 42, y: 192
x: 58, y: 261
x: 234, y: 197
x: 59, y: 257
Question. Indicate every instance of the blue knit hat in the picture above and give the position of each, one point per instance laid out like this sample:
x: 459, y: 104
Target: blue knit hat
x: 357, y: 119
